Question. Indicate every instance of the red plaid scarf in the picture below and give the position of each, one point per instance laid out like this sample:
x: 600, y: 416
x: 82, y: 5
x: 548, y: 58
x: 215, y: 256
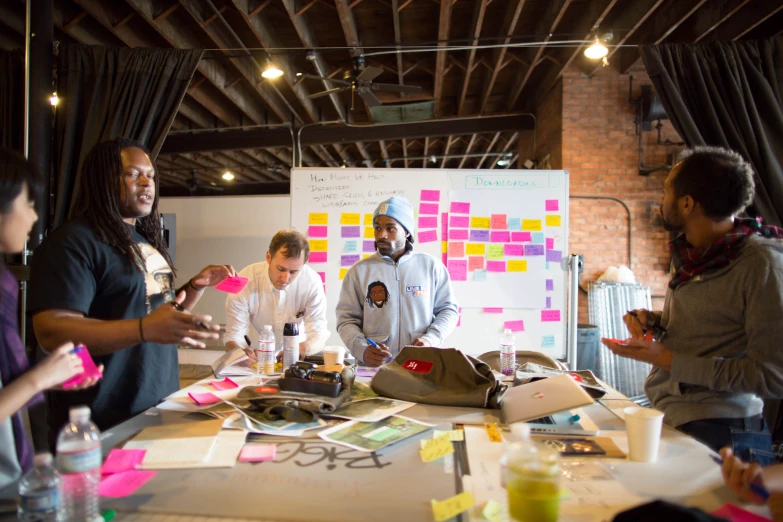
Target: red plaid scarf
x: 690, y: 261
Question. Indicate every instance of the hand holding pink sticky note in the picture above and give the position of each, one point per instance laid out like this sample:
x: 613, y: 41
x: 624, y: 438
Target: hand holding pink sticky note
x: 90, y: 370
x: 232, y: 285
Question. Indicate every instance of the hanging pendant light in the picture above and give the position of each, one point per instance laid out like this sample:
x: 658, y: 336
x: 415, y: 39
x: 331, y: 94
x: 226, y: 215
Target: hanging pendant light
x: 271, y: 71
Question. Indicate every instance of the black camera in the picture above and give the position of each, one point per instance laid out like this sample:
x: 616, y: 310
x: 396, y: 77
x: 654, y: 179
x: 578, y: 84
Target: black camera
x: 306, y: 370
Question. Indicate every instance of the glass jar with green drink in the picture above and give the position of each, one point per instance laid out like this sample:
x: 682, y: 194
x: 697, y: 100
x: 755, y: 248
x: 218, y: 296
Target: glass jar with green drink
x: 533, y: 485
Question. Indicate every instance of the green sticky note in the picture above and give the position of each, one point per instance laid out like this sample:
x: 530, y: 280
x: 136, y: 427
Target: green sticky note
x: 495, y: 251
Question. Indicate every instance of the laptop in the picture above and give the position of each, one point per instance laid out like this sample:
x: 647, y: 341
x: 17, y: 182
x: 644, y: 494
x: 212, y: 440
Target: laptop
x: 546, y: 405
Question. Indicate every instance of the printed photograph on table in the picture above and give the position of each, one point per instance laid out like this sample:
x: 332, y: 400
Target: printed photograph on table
x: 373, y: 436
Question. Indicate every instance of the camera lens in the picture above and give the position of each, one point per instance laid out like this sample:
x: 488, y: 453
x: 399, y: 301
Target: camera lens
x: 322, y: 376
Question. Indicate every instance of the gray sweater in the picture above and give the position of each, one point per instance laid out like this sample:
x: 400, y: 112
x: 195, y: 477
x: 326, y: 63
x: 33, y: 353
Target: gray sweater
x: 725, y: 329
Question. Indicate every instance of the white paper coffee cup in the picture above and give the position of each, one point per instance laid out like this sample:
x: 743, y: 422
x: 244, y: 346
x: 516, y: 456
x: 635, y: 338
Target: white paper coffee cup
x: 643, y: 427
x: 334, y: 355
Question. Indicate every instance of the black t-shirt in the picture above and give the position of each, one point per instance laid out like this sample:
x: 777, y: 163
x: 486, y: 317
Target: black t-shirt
x: 74, y: 270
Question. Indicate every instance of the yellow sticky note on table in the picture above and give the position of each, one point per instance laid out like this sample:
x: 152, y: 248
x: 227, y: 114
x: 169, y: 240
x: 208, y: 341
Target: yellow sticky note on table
x: 319, y: 245
x: 479, y: 222
x: 531, y: 224
x: 553, y: 220
x: 433, y: 449
x: 451, y: 507
x: 318, y: 218
x: 493, y: 432
x: 350, y: 219
x: 474, y: 249
x: 368, y: 220
x: 492, y: 511
x: 519, y: 265
x: 454, y: 435
x: 343, y: 271
x: 495, y: 251
x: 369, y: 233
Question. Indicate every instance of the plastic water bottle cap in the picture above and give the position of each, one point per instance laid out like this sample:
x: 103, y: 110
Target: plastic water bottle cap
x: 79, y: 413
x: 268, y: 327
x: 42, y: 459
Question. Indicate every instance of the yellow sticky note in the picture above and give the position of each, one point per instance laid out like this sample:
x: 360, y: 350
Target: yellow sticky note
x: 369, y: 233
x: 493, y: 432
x: 365, y: 256
x: 474, y: 249
x: 319, y: 245
x: 519, y: 265
x: 350, y: 219
x: 343, y: 271
x: 531, y: 224
x: 553, y: 220
x: 495, y: 251
x: 368, y: 220
x: 479, y: 222
x: 492, y: 511
x: 451, y: 507
x: 318, y: 218
x: 444, y: 247
x: 454, y: 435
x: 436, y: 448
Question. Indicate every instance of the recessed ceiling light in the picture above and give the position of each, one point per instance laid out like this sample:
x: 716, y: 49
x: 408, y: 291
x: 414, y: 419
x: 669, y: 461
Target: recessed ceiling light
x: 228, y: 176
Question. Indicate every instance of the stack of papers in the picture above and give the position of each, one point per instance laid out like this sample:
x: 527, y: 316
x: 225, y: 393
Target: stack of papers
x: 233, y: 362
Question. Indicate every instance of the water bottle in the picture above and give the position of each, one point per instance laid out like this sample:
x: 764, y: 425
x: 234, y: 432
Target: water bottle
x: 265, y: 355
x: 532, y: 479
x: 79, y: 463
x: 290, y: 344
x: 508, y: 354
x: 519, y: 446
x: 39, y: 491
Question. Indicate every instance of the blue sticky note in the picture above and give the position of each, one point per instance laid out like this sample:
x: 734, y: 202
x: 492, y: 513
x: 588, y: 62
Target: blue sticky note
x: 547, y: 265
x: 351, y: 246
x: 548, y: 341
x: 537, y: 237
x: 514, y: 223
x: 480, y: 275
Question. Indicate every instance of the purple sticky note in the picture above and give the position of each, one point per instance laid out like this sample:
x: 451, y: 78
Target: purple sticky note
x: 550, y: 316
x: 513, y: 250
x: 459, y: 221
x: 430, y: 195
x: 500, y: 236
x: 367, y: 246
x: 493, y: 310
x: 458, y: 269
x: 427, y: 236
x: 428, y: 222
x: 548, y: 302
x: 350, y: 231
x: 458, y: 233
x: 515, y: 326
x: 322, y: 275
x: 534, y: 250
x: 204, y: 399
x: 460, y: 208
x: 317, y: 257
x: 550, y: 243
x: 349, y: 260
x: 428, y: 208
x: 120, y: 460
x: 552, y: 205
x: 232, y: 285
x: 479, y: 235
x: 124, y: 484
x: 496, y: 266
x: 554, y: 255
x: 316, y: 231
x: 550, y: 285
x: 520, y: 236
x: 89, y: 370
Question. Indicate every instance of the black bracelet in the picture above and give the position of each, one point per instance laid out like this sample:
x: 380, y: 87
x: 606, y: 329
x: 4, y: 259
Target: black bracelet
x: 141, y: 331
x: 190, y: 282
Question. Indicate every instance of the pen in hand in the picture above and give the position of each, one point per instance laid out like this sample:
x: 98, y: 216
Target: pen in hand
x: 247, y: 340
x: 755, y: 488
x: 372, y: 343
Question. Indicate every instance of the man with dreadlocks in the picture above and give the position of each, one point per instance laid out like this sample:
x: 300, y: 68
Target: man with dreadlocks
x: 105, y: 279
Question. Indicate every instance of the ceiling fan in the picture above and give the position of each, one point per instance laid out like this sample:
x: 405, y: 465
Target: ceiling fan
x: 193, y: 184
x: 360, y: 81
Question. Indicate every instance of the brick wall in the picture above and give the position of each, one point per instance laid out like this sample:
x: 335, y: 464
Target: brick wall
x: 549, y: 130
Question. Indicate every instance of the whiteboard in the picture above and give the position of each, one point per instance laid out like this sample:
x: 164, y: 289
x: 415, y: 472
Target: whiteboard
x: 517, y: 218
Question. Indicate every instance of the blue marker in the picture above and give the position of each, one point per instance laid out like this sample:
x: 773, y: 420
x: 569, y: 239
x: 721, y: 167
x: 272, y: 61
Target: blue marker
x: 755, y: 488
x: 372, y: 343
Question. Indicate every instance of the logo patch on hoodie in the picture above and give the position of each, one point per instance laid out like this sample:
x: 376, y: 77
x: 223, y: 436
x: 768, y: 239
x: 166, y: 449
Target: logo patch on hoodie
x: 417, y: 290
x: 377, y: 294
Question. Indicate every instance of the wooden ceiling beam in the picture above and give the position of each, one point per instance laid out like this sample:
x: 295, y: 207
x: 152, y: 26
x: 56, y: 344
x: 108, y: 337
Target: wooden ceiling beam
x: 307, y: 6
x: 512, y: 161
x: 488, y: 150
x: 449, y: 143
x: 349, y: 26
x: 747, y: 19
x: 73, y: 21
x: 444, y: 25
x: 505, y: 148
x: 259, y: 8
x: 709, y: 18
x: 479, y: 11
x: 513, y: 11
x: 384, y: 153
x: 405, y: 149
x: 397, y: 42
x: 467, y: 151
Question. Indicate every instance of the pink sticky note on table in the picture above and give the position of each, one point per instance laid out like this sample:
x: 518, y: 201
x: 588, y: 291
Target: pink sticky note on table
x: 497, y: 236
x: 430, y: 195
x: 521, y: 236
x: 428, y: 208
x: 124, y: 484
x: 317, y: 257
x: 498, y: 221
x: 458, y: 269
x: 89, y: 369
x: 428, y: 222
x: 120, y: 460
x: 550, y: 243
x: 257, y: 453
x: 552, y: 205
x: 511, y: 249
x: 459, y: 221
x: 225, y: 384
x: 427, y: 236
x: 496, y: 266
x: 550, y: 316
x: 460, y: 207
x: 458, y: 233
x: 515, y: 326
x: 204, y: 399
x: 737, y: 514
x: 316, y: 231
x: 493, y: 310
x: 232, y: 285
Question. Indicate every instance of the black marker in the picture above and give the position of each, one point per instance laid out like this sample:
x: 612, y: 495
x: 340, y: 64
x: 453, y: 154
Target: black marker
x: 179, y: 308
x: 247, y: 340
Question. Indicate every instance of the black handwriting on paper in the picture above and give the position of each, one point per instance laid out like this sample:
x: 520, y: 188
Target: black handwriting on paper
x: 308, y: 454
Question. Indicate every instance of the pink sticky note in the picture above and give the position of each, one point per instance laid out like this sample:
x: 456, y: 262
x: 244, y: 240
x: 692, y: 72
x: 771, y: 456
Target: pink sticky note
x: 457, y: 249
x: 428, y: 208
x: 427, y: 236
x: 550, y: 243
x: 428, y: 222
x: 120, y: 460
x: 521, y: 236
x: 444, y: 258
x: 493, y: 310
x: 444, y: 222
x: 317, y: 257
x: 737, y: 514
x: 89, y: 370
x: 497, y: 236
x: 316, y: 231
x: 458, y: 233
x: 460, y: 208
x: 458, y: 269
x: 459, y: 316
x: 124, y: 484
x: 498, y: 221
x: 515, y: 326
x: 204, y: 399
x: 475, y: 263
x: 511, y: 249
x: 496, y: 266
x: 459, y: 221
x: 552, y: 205
x: 258, y: 452
x: 430, y: 195
x: 232, y: 285
x: 322, y: 275
x: 550, y: 316
x: 225, y: 384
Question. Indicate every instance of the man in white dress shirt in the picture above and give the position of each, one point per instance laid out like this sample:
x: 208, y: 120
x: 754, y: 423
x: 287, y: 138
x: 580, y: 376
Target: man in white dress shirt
x: 280, y: 290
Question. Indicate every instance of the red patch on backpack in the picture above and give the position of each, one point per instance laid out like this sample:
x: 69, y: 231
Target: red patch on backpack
x: 266, y: 389
x: 417, y: 366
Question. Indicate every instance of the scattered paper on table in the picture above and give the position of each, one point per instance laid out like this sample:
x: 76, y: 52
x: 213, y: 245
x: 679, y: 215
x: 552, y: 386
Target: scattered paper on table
x: 433, y: 449
x: 451, y: 507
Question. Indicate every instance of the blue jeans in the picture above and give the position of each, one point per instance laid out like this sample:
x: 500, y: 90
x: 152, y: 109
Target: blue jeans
x: 749, y: 437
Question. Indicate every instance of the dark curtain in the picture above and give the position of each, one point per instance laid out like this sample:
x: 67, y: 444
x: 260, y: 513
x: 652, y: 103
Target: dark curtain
x: 12, y: 100
x: 728, y: 94
x: 110, y: 92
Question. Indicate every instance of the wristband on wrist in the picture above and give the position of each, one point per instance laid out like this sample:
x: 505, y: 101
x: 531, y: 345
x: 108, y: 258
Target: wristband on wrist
x: 141, y: 330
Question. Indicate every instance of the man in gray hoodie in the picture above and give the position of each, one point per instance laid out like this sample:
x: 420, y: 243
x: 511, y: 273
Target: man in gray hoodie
x: 720, y: 352
x: 396, y: 297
